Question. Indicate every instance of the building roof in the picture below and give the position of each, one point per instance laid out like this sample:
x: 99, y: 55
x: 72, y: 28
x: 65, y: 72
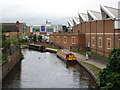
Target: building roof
x: 76, y: 20
x: 110, y: 11
x: 83, y: 17
x: 94, y: 15
x: 10, y: 23
x: 10, y: 28
x: 97, y: 14
x: 70, y: 23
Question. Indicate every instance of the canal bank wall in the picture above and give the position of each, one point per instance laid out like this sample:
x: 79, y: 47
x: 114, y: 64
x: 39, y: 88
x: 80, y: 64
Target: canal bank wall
x: 14, y: 56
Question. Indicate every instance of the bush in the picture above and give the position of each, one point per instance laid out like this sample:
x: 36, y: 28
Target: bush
x: 30, y: 38
x: 114, y: 60
x: 35, y: 38
x: 15, y: 41
x: 23, y: 40
x: 39, y: 38
x: 110, y: 76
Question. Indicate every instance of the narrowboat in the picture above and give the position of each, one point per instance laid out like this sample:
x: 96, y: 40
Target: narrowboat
x: 37, y: 47
x: 66, y: 56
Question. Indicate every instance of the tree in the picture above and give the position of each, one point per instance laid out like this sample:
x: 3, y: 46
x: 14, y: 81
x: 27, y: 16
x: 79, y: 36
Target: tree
x: 39, y: 38
x: 30, y: 37
x: 110, y: 76
x: 35, y: 38
x: 5, y: 45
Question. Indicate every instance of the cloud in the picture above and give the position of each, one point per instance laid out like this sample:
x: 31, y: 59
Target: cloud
x: 58, y: 11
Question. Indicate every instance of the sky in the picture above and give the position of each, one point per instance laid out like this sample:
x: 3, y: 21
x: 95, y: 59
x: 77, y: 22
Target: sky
x: 35, y: 12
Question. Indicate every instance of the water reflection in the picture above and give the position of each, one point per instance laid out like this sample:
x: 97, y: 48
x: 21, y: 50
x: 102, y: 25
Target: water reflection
x: 70, y: 66
x: 13, y: 78
x: 45, y: 70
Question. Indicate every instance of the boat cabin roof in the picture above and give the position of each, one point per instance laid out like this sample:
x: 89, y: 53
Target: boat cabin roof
x: 65, y: 51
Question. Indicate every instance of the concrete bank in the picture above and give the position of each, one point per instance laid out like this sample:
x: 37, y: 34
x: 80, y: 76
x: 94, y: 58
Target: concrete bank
x: 84, y: 66
x: 51, y: 50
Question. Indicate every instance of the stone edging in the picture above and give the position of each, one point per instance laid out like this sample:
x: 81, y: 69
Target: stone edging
x: 88, y: 70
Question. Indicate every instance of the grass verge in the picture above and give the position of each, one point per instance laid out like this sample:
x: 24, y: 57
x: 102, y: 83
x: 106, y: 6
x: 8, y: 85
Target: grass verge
x: 97, y: 56
x: 24, y: 46
x: 83, y: 53
x: 93, y: 68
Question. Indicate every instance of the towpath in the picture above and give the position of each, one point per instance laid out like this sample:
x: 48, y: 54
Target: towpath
x: 82, y: 58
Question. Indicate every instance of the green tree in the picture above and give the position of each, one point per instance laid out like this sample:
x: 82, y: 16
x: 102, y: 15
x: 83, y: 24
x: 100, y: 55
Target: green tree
x: 39, y: 38
x: 30, y: 37
x: 5, y: 45
x: 35, y: 38
x: 110, y: 76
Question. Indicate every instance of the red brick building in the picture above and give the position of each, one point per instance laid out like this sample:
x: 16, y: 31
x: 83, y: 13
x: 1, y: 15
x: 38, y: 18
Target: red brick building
x: 28, y: 33
x: 98, y: 31
x: 69, y: 41
x: 22, y: 26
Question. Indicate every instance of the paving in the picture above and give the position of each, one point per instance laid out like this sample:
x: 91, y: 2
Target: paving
x: 80, y: 57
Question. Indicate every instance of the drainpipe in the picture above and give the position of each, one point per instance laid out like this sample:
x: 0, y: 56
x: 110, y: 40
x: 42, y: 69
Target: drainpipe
x: 85, y: 36
x: 114, y: 33
x: 103, y: 37
x: 96, y: 36
x: 90, y: 35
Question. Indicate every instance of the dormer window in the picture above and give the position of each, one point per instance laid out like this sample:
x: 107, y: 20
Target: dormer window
x: 81, y: 20
x: 90, y: 18
x: 104, y: 15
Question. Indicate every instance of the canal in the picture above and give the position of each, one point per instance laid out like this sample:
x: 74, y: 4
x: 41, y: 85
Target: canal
x: 45, y: 70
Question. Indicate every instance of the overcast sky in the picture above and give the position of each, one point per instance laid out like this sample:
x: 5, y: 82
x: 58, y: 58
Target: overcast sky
x: 35, y: 12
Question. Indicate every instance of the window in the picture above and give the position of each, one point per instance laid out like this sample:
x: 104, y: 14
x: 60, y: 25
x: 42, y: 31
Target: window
x: 90, y: 18
x: 108, y: 43
x: 93, y: 41
x: 100, y: 42
x: 88, y: 43
x: 73, y: 40
x: 58, y: 39
x: 65, y: 39
x: 105, y: 16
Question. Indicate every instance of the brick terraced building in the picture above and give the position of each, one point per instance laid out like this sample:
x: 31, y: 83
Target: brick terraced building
x: 22, y: 26
x: 97, y: 31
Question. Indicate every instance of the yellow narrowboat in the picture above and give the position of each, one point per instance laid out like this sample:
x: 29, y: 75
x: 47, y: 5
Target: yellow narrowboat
x: 66, y: 55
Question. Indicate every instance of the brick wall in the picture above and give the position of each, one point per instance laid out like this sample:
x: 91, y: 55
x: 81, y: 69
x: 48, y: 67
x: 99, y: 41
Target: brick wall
x: 11, y: 61
x: 100, y: 35
x: 69, y: 41
x: 20, y: 26
x: 11, y: 35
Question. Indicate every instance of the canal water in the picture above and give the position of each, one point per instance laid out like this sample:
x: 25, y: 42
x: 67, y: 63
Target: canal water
x: 45, y: 70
